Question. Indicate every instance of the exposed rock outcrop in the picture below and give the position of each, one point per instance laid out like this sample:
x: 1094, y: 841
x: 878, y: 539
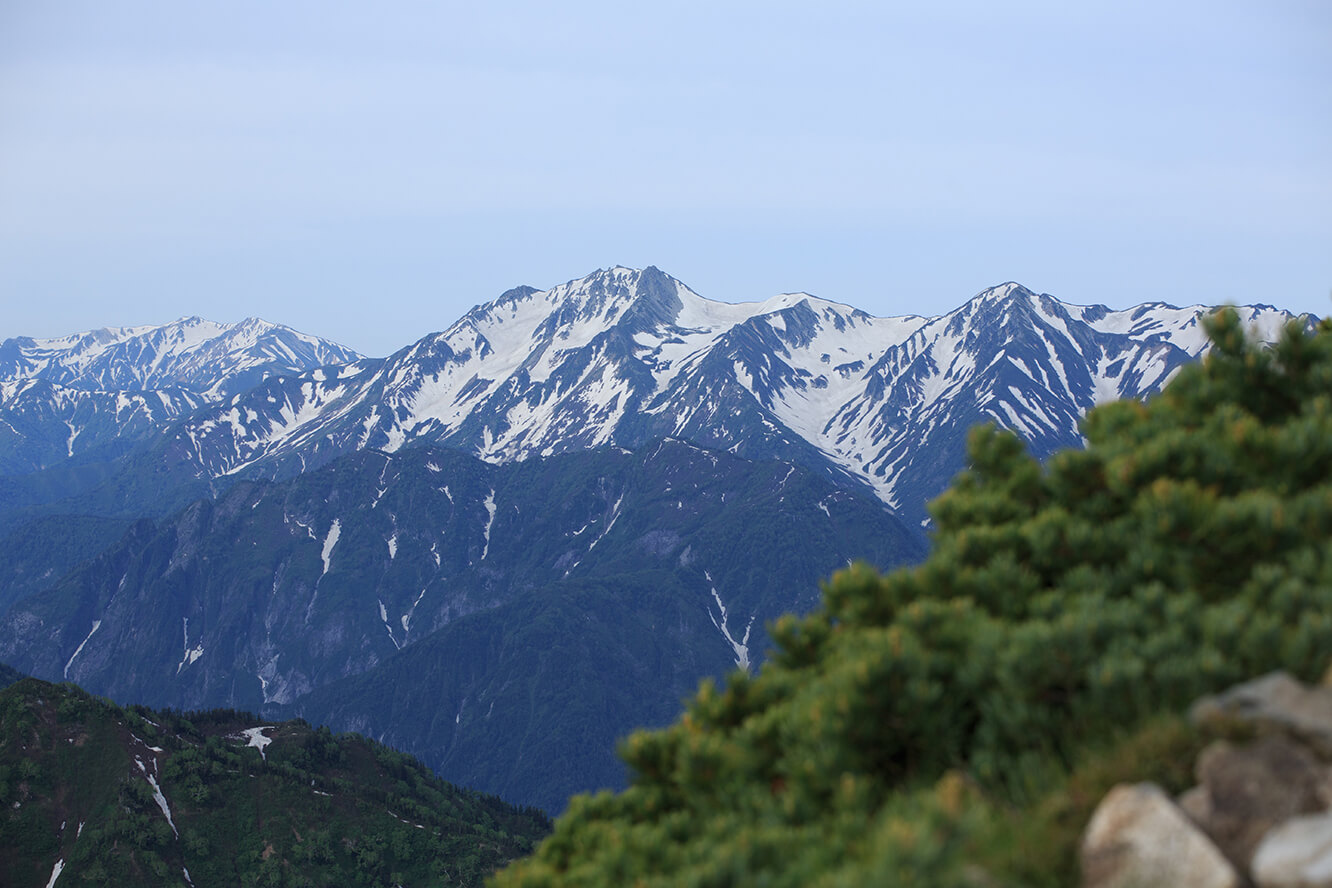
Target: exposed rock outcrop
x: 1138, y: 836
x: 1246, y: 790
x: 1262, y: 807
x: 1277, y: 702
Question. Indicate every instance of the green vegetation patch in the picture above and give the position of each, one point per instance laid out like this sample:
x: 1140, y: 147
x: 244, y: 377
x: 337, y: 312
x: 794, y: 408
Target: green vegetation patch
x: 134, y: 796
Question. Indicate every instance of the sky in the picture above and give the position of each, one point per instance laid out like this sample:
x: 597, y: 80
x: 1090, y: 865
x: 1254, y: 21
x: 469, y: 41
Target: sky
x: 369, y: 172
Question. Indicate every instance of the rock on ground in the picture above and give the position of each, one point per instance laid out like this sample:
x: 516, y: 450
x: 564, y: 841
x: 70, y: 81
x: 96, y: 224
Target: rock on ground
x: 1244, y: 791
x: 1139, y: 837
x: 1277, y: 702
x: 1296, y: 854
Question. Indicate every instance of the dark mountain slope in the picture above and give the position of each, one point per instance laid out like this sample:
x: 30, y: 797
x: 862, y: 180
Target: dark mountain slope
x: 528, y: 700
x: 40, y: 553
x: 651, y: 569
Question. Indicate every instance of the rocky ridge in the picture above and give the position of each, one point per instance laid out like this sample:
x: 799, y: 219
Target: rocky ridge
x: 1260, y: 815
x: 621, y: 357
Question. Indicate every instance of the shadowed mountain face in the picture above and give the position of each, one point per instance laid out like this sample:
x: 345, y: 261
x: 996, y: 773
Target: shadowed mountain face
x: 611, y: 580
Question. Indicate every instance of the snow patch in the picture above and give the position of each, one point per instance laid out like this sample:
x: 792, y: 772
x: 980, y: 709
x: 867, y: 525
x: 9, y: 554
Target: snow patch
x: 256, y: 738
x: 490, y: 520
x: 741, y: 647
x: 189, y: 655
x: 615, y: 516
x: 334, y: 531
x: 97, y: 624
x: 307, y: 528
x: 157, y: 792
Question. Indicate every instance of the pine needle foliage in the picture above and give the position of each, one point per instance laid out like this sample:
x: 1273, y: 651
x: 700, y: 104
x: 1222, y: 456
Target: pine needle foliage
x: 1186, y: 547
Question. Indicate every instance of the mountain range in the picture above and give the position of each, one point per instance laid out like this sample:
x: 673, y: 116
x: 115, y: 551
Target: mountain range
x: 75, y: 408
x: 621, y: 357
x: 210, y: 359
x: 510, y: 542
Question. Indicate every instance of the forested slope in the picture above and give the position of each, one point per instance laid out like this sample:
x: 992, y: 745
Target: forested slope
x: 92, y: 793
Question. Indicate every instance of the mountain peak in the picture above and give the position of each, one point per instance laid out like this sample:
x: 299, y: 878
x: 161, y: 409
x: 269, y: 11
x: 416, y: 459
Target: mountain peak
x: 656, y: 301
x: 1008, y: 290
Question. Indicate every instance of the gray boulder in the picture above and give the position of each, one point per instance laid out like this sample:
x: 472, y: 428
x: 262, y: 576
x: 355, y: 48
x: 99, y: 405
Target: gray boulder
x: 1277, y: 702
x: 1296, y: 854
x: 1138, y: 837
x: 1244, y: 791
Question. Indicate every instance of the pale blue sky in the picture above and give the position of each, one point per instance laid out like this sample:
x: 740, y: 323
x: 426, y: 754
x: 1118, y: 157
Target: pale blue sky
x: 368, y: 172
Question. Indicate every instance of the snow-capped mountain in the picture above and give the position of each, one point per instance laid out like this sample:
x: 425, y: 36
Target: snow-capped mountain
x: 1024, y: 361
x: 625, y: 356
x: 200, y: 356
x: 93, y: 396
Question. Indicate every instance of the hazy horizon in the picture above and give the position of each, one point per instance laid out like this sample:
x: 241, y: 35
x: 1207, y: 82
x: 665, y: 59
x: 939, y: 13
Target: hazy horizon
x: 370, y: 174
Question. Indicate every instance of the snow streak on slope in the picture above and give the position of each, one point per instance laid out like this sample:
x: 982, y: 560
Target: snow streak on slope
x: 189, y: 655
x: 490, y: 522
x: 97, y: 624
x: 383, y: 617
x: 157, y: 791
x: 614, y: 516
x: 741, y: 647
x: 330, y: 541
